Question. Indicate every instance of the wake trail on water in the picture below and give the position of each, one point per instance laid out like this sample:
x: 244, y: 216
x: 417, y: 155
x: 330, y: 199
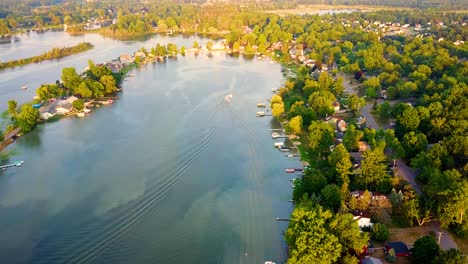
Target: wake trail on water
x: 93, y: 238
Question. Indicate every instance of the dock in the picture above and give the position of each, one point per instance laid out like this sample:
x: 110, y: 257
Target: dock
x: 283, y: 219
x: 16, y: 164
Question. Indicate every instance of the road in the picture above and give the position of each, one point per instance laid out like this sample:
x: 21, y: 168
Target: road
x: 404, y: 171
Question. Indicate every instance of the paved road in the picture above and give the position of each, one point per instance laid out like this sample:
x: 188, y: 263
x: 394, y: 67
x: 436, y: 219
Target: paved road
x: 404, y: 171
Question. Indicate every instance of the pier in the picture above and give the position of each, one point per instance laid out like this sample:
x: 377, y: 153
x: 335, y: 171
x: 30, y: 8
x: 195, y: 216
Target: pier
x: 16, y: 164
x: 283, y: 219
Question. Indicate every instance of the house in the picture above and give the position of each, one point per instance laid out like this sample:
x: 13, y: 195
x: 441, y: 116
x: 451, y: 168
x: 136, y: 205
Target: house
x: 341, y: 125
x: 363, y: 146
x: 400, y: 248
x: 378, y: 196
x: 362, y: 218
x: 140, y: 54
x: 125, y: 58
x: 65, y: 106
x: 383, y: 94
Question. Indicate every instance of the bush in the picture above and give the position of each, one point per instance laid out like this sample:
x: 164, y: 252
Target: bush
x: 380, y: 232
x: 425, y: 249
x: 78, y: 104
x: 391, y: 256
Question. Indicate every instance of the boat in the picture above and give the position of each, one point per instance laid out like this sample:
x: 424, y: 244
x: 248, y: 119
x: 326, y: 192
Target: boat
x: 228, y: 98
x: 24, y: 87
x: 279, y: 144
x: 298, y: 169
x: 274, y: 90
x: 131, y: 75
x: 86, y: 110
x: 269, y: 262
x: 283, y: 149
x: 261, y: 105
x: 289, y: 170
x: 81, y: 114
x: 275, y: 135
x: 260, y: 114
x: 110, y: 101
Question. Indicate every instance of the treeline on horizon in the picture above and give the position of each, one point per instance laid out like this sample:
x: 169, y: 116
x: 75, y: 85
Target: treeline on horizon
x: 51, y: 54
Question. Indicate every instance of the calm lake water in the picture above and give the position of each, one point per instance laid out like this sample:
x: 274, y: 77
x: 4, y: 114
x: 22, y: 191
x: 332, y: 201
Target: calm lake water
x: 170, y: 173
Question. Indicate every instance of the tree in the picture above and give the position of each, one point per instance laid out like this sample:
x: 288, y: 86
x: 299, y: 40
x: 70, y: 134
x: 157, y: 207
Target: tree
x: 320, y: 137
x: 277, y: 110
x: 308, y: 238
x: 70, y: 78
x: 380, y: 232
x: 455, y: 205
x: 413, y: 143
x: 409, y: 119
x: 351, y: 138
x: 4, y: 30
x: 355, y: 103
x: 108, y: 82
x: 425, y: 249
x: 322, y: 103
x: 195, y: 44
x: 12, y: 105
x: 345, y: 228
x: 83, y: 90
x: 296, y: 124
x: 451, y: 256
x: 1, y: 135
x: 78, y: 104
x: 27, y: 117
x: 331, y: 197
x: 340, y: 160
x: 374, y: 166
x: 68, y: 20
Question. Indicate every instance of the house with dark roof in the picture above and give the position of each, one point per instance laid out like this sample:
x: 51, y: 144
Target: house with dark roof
x: 400, y: 248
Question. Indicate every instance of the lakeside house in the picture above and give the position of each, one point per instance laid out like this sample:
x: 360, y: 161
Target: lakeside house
x: 363, y: 146
x: 65, y: 106
x: 126, y: 59
x: 341, y: 125
x: 336, y: 106
x: 362, y: 218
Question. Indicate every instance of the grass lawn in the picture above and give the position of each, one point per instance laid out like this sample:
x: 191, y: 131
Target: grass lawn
x: 462, y: 244
x: 408, y: 235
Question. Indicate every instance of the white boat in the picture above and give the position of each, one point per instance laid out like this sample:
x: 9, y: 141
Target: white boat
x: 261, y: 105
x: 24, y: 87
x: 86, y: 110
x: 275, y: 135
x: 228, y: 98
x: 260, y: 114
x: 269, y: 262
x: 81, y: 114
x: 274, y: 90
x: 279, y: 144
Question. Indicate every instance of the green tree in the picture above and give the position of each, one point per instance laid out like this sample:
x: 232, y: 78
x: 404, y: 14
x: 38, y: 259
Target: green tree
x: 308, y: 238
x: 320, y: 137
x: 108, y: 82
x: 322, y: 103
x: 83, y: 90
x: 425, y: 249
x: 68, y: 20
x: 78, y: 104
x: 414, y: 142
x: 408, y: 120
x: 27, y: 117
x: 331, y: 197
x: 4, y: 30
x: 296, y: 124
x: 339, y: 159
x: 380, y: 232
x: 355, y: 103
x: 70, y: 78
x: 195, y: 45
x: 12, y: 106
x: 351, y: 138
x: 374, y: 166
x: 345, y: 228
x: 451, y: 256
x: 454, y: 206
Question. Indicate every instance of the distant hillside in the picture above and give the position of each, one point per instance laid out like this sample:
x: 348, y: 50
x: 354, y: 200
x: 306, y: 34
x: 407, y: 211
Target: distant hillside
x: 444, y: 4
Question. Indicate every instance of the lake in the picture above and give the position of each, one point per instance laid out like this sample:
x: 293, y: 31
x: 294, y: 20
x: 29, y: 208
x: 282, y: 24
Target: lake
x: 170, y: 173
